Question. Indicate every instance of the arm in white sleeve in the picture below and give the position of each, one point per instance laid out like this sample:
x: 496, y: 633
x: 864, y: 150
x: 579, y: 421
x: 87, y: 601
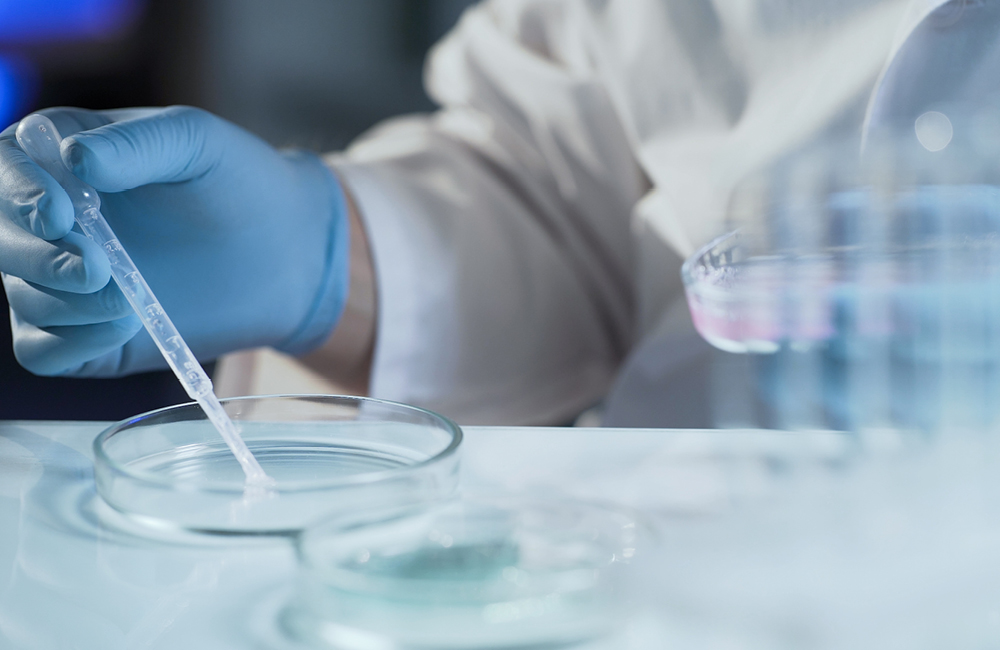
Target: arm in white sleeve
x: 500, y: 226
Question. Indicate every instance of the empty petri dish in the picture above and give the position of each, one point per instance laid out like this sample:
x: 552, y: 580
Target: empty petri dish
x: 328, y: 455
x: 464, y: 574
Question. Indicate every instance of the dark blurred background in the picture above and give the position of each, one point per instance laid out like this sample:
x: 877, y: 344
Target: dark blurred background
x: 307, y: 73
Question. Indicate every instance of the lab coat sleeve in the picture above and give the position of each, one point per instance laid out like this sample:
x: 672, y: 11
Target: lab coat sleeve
x: 500, y: 226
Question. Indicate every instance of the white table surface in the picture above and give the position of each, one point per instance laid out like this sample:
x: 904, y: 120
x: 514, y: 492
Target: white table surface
x: 76, y: 575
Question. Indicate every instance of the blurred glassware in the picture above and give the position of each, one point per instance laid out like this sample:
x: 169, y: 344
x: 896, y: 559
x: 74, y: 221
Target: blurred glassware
x: 866, y: 288
x: 472, y: 573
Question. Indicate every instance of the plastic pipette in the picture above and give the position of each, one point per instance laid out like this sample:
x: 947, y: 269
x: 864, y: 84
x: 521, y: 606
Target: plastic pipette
x: 40, y: 139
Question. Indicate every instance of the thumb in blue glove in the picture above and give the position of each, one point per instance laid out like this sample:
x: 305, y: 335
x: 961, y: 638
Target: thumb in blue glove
x: 245, y: 246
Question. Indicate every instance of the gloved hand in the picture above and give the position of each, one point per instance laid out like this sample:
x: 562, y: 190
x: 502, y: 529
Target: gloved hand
x: 243, y: 245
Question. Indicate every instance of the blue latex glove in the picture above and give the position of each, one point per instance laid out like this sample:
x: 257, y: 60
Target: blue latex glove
x: 244, y: 246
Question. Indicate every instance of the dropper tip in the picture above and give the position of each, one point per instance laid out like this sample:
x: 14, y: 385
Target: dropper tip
x: 259, y: 487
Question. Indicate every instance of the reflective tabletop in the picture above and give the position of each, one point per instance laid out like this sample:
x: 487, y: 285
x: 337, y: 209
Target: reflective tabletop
x: 76, y: 574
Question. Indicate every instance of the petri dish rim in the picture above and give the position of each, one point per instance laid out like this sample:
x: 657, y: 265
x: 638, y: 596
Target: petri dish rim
x: 219, y: 487
x: 589, y: 592
x: 307, y: 542
x: 728, y: 239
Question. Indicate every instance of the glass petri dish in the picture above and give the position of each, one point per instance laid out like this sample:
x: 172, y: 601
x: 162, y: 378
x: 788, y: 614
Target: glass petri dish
x: 329, y: 455
x: 464, y: 574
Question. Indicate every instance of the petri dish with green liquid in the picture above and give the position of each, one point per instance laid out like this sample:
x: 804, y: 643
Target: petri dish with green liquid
x: 468, y: 573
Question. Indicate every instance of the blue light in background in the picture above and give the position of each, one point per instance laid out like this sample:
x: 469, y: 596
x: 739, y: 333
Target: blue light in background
x: 17, y: 85
x: 8, y: 92
x: 32, y: 21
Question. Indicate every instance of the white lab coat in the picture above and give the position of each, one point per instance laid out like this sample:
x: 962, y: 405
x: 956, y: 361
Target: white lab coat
x: 528, y: 236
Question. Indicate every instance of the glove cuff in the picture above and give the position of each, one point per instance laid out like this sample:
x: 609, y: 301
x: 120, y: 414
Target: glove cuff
x: 331, y: 298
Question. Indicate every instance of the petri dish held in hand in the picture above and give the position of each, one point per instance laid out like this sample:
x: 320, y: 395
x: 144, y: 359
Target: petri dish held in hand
x: 471, y: 573
x: 328, y: 455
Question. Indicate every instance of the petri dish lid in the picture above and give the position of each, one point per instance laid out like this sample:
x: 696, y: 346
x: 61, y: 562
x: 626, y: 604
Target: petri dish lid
x: 469, y: 573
